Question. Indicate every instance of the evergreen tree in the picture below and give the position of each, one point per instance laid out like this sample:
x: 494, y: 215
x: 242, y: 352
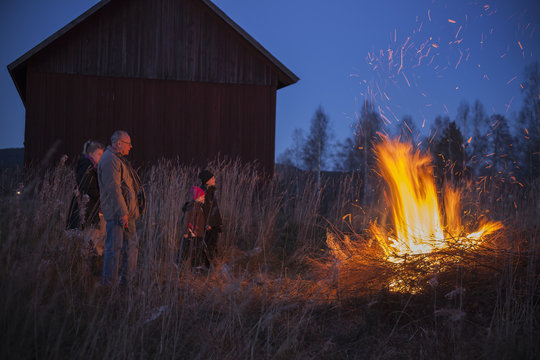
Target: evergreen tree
x: 449, y: 155
x: 369, y: 123
x: 502, y: 145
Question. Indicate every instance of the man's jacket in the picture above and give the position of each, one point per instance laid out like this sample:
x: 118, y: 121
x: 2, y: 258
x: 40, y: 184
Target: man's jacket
x: 118, y: 187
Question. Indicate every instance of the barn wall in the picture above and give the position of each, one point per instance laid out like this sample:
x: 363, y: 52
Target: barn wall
x: 158, y: 39
x: 191, y: 120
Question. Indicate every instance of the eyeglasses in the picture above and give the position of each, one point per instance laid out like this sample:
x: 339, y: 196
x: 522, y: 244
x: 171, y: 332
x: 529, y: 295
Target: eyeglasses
x: 127, y: 143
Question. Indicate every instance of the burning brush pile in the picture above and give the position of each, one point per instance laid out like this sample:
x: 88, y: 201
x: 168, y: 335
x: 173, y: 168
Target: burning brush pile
x: 421, y: 235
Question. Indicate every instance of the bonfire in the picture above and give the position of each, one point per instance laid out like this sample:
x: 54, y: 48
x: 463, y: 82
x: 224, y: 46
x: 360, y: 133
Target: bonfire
x: 420, y: 225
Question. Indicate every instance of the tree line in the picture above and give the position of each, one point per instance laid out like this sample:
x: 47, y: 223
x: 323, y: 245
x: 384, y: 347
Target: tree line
x: 472, y: 145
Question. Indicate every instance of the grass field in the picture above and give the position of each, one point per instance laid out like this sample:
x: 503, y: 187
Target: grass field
x: 275, y: 292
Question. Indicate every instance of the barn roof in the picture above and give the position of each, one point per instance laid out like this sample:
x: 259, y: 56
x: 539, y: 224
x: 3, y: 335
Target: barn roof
x: 17, y: 69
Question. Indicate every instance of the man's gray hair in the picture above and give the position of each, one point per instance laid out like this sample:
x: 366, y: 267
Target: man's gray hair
x: 117, y: 135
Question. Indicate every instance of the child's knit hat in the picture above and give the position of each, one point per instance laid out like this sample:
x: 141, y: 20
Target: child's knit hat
x: 197, y: 192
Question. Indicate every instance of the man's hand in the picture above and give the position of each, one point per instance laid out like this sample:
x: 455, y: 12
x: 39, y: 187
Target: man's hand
x: 124, y: 221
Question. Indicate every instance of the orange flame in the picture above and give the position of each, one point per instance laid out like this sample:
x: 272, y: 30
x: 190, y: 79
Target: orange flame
x: 419, y: 224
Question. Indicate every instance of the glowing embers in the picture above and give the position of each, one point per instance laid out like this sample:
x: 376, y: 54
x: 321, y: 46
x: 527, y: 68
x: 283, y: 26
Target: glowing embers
x: 419, y: 224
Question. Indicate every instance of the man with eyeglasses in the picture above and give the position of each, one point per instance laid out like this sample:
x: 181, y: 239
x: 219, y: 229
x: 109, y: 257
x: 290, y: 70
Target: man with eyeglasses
x: 119, y: 187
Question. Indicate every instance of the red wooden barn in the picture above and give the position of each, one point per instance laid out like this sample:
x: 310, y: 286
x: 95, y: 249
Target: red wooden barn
x: 179, y: 75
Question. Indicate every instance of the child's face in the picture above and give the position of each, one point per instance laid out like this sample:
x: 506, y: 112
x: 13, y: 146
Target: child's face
x: 200, y: 199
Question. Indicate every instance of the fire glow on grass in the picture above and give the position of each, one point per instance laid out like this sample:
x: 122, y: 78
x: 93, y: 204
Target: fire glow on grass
x: 420, y: 224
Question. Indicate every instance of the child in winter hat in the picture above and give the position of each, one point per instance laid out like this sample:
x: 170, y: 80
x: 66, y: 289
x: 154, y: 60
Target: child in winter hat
x: 197, y: 193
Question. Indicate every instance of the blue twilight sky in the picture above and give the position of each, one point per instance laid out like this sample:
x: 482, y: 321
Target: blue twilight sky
x: 419, y: 58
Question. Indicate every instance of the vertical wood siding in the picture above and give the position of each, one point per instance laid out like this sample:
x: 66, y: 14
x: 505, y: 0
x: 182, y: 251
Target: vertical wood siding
x: 158, y: 39
x: 190, y: 120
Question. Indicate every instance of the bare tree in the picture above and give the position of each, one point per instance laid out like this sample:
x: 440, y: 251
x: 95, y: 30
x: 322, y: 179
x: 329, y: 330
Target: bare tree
x: 317, y: 145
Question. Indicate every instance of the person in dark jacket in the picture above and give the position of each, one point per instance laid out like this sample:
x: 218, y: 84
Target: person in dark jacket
x: 211, y: 213
x: 84, y: 211
x: 194, y: 229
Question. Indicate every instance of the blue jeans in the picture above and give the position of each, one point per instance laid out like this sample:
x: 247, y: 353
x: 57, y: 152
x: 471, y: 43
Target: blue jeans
x: 120, y: 241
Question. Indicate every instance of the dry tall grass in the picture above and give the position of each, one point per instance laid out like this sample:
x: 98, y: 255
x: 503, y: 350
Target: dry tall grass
x: 273, y: 292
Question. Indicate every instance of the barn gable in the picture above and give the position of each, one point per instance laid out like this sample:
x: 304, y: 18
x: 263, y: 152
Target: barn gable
x: 188, y: 40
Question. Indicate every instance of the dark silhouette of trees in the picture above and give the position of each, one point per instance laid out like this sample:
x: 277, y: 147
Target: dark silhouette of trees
x: 529, y: 123
x: 449, y: 155
x: 368, y: 124
x: 347, y: 156
x: 480, y: 141
x: 502, y: 146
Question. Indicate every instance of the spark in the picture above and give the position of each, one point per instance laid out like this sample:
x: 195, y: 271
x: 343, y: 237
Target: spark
x: 458, y: 31
x: 401, y: 63
x: 384, y: 117
x: 429, y: 14
x: 394, y: 115
x: 445, y: 108
x: 508, y: 105
x: 469, y: 141
x: 460, y: 57
x: 407, y: 80
x: 451, y: 21
x: 512, y: 79
x: 435, y: 45
x: 433, y: 137
x: 347, y: 216
x: 520, y: 46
